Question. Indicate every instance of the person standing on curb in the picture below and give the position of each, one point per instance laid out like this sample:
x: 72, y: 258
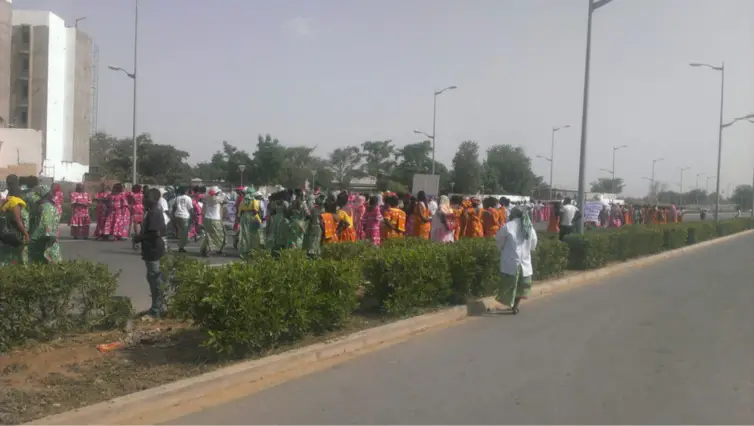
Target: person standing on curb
x: 152, y: 247
x: 515, y: 241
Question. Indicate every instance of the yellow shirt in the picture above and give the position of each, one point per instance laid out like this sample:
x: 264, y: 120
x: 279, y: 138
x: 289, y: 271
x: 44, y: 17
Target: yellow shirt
x: 249, y: 206
x: 11, y: 203
x: 343, y: 216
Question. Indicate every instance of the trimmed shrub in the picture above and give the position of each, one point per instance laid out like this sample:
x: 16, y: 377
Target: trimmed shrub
x: 474, y: 266
x: 257, y: 306
x: 40, y: 301
x: 402, y: 279
x: 701, y: 231
x: 550, y: 259
x: 588, y: 251
x: 674, y: 236
x: 347, y: 250
x: 733, y: 226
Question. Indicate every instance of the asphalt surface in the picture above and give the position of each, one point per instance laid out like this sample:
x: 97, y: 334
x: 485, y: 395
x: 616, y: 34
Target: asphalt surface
x: 120, y: 257
x: 671, y: 343
x: 688, y: 217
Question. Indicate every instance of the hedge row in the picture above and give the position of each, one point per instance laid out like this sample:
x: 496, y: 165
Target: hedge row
x: 267, y: 302
x: 597, y: 248
x: 40, y: 301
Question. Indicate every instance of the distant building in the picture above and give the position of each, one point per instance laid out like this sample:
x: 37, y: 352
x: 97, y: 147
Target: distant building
x: 51, y: 90
x: 5, y: 34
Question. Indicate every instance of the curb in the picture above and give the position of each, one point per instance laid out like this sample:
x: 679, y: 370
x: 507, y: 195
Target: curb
x: 177, y: 399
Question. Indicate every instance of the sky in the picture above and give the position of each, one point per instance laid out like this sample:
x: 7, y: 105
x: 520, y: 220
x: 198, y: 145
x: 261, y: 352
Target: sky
x: 333, y: 73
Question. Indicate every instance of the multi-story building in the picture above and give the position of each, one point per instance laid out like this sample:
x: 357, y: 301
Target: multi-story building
x: 5, y: 31
x: 51, y: 90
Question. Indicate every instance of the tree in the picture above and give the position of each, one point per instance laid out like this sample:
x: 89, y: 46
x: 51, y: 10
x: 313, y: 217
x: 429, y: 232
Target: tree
x: 297, y: 167
x: 742, y: 196
x: 268, y: 161
x: 695, y: 196
x: 378, y: 158
x: 467, y: 170
x: 345, y: 163
x: 226, y: 161
x: 509, y: 171
x: 608, y: 185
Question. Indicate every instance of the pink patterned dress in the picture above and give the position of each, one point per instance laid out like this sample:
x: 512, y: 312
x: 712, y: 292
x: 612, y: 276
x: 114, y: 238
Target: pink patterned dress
x: 198, y: 220
x: 359, y: 210
x: 372, y: 222
x: 101, y: 199
x: 117, y: 219
x: 58, y: 198
x: 136, y: 201
x: 80, y: 219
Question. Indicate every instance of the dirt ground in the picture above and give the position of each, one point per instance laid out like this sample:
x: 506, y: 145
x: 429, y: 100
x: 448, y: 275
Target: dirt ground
x: 44, y: 379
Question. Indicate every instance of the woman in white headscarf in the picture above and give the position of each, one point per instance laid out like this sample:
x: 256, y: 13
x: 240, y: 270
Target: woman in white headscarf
x: 443, y: 230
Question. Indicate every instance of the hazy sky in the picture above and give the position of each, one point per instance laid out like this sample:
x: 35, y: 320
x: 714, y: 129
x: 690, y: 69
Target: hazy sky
x: 333, y: 73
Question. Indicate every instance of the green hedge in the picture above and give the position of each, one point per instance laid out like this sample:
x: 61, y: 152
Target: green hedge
x: 40, y: 302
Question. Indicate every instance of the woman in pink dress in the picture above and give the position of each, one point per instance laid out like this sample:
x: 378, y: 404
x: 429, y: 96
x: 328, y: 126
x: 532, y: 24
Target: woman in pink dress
x: 57, y: 197
x: 101, y: 198
x: 80, y: 219
x: 373, y: 220
x: 136, y: 203
x: 116, y: 217
x: 197, y: 198
x: 359, y: 210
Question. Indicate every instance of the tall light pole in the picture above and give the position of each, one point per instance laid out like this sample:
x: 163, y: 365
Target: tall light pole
x: 552, y: 151
x: 612, y: 172
x: 241, y: 168
x: 697, y: 187
x: 721, y: 69
x: 593, y: 5
x: 651, y: 186
x: 706, y: 187
x: 550, y: 160
x: 654, y: 163
x: 434, y: 122
x: 680, y: 195
x: 132, y: 76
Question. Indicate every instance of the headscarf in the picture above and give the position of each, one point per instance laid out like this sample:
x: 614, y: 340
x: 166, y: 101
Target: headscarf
x: 523, y: 215
x: 41, y: 190
x: 444, y: 205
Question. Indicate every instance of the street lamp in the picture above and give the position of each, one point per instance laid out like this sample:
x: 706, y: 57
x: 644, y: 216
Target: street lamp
x: 241, y: 168
x: 452, y: 187
x: 593, y: 5
x: 654, y: 163
x: 612, y: 172
x: 680, y: 195
x: 706, y: 187
x: 132, y: 76
x: 434, y: 122
x: 721, y: 69
x: 552, y: 151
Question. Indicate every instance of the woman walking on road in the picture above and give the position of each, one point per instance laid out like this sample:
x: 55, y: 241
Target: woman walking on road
x: 516, y: 240
x: 44, y: 247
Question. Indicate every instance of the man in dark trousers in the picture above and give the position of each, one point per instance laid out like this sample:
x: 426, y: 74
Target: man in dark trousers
x: 153, y: 247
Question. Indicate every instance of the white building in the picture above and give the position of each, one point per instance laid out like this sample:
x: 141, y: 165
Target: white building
x: 51, y: 90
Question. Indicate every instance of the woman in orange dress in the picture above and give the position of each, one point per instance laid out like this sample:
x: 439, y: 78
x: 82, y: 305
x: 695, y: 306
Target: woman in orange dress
x: 490, y: 218
x: 553, y: 227
x: 473, y: 214
x: 394, y: 220
x: 422, y: 220
x: 329, y: 222
x: 456, y: 202
x: 345, y: 229
x: 502, y: 210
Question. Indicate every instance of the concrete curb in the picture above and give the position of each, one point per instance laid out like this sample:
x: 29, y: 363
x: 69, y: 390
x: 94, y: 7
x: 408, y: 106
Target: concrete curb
x: 179, y: 398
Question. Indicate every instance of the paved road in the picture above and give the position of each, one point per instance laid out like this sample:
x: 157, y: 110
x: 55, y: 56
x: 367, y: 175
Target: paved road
x: 119, y: 256
x: 672, y: 343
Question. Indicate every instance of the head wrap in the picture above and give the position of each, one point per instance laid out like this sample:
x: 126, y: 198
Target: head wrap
x: 523, y: 215
x: 444, y: 204
x: 41, y: 190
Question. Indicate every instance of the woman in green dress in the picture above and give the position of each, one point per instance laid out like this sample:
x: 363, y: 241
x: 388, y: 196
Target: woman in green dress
x: 44, y: 247
x: 297, y: 224
x: 14, y: 248
x: 276, y: 231
x: 250, y: 223
x: 313, y: 237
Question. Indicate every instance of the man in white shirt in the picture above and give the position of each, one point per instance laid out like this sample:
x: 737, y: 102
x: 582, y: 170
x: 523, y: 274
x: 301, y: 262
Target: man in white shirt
x: 214, y: 239
x: 568, y: 213
x: 183, y: 209
x: 432, y: 206
x: 515, y: 240
x: 163, y: 206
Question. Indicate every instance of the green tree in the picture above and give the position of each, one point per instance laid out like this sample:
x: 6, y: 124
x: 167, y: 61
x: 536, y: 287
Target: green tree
x: 225, y: 163
x: 297, y: 167
x: 508, y: 170
x: 467, y: 170
x: 345, y: 164
x: 379, y: 160
x: 608, y: 185
x: 268, y: 161
x: 742, y: 196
